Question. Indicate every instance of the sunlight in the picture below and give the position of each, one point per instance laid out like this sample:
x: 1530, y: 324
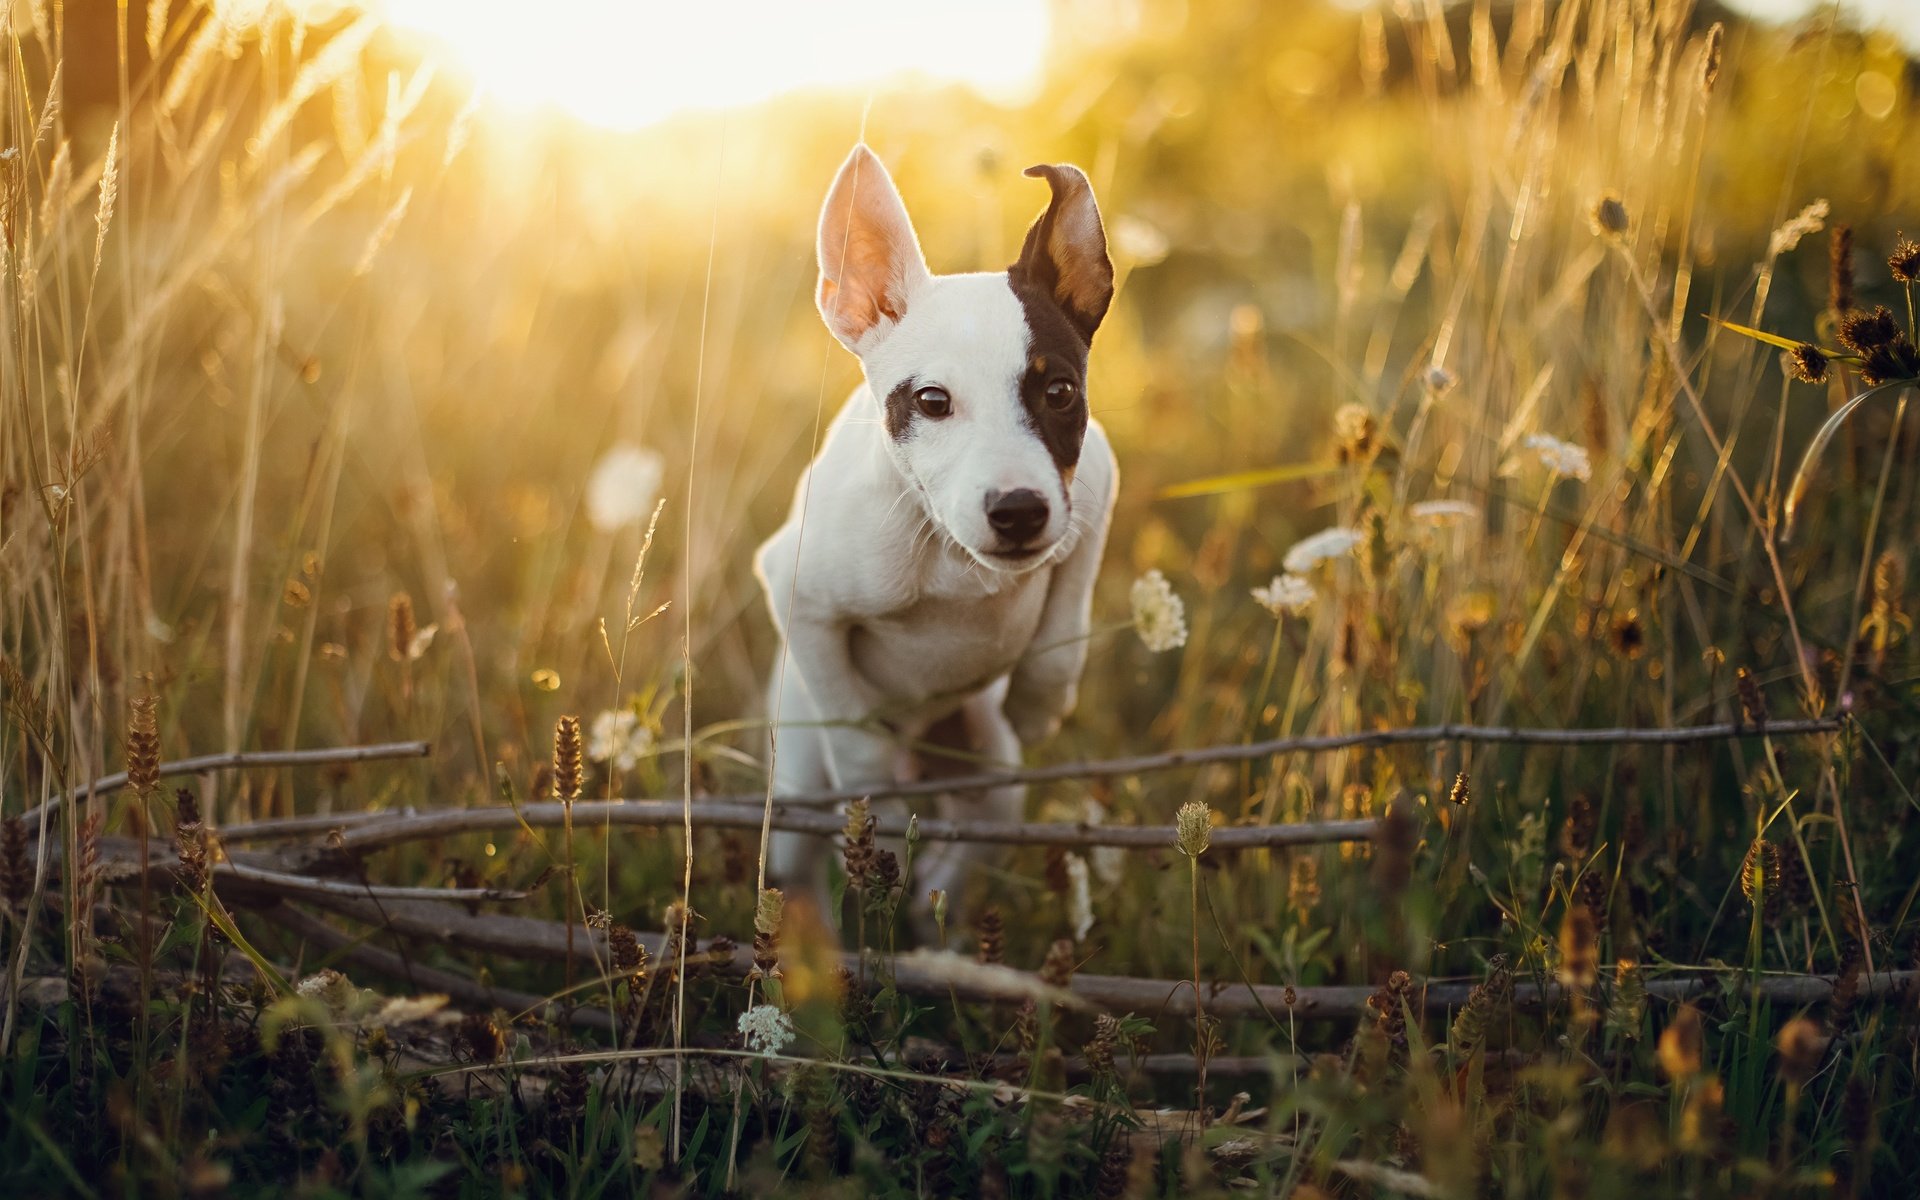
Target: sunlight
x: 622, y: 64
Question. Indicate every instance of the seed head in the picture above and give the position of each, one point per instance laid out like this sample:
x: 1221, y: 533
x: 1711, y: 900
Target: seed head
x: 1579, y: 948
x: 1610, y: 217
x: 1864, y: 332
x: 401, y: 627
x: 991, y: 930
x: 857, y: 854
x: 1682, y: 1044
x: 1710, y: 58
x: 1193, y: 828
x: 567, y: 758
x: 1904, y: 262
x: 1802, y: 1044
x: 1840, y: 272
x: 1753, y: 705
x: 1058, y: 967
x: 1807, y: 363
x: 1461, y: 792
x: 1760, y: 877
x: 16, y: 877
x: 143, y: 748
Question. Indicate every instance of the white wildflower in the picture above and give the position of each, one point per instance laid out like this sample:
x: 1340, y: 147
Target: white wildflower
x: 1443, y: 512
x: 1079, y: 897
x: 1287, y: 594
x: 1562, y: 458
x: 623, y: 487
x: 765, y: 1029
x: 619, y: 738
x: 1308, y: 553
x: 1158, y: 615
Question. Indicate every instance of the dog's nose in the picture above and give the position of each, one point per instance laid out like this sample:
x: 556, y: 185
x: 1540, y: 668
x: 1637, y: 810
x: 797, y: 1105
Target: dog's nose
x: 1019, y: 515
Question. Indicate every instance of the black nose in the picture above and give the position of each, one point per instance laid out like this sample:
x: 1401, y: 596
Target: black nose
x: 1019, y: 515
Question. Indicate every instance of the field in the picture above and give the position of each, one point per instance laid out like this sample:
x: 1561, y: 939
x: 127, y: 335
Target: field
x: 339, y: 406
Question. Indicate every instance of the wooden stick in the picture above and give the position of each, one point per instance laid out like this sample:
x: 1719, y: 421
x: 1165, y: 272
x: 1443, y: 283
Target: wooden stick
x: 1200, y: 756
x: 529, y: 937
x: 374, y: 835
x: 463, y: 988
x: 241, y: 759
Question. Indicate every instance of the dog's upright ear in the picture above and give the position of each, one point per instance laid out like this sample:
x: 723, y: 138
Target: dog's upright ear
x: 1065, y: 253
x: 870, y: 261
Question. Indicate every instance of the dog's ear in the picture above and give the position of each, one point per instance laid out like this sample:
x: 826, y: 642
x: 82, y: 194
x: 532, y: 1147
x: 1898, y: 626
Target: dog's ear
x: 1066, y: 250
x: 870, y: 262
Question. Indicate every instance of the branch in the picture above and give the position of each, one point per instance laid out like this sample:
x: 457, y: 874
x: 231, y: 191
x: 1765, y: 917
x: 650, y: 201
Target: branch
x: 1171, y: 760
x: 528, y: 937
x: 239, y: 759
x: 460, y: 987
x: 374, y: 835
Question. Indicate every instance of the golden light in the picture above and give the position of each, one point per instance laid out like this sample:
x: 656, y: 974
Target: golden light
x: 627, y: 63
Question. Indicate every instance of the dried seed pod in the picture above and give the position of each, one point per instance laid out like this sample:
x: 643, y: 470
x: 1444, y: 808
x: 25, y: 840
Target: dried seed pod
x: 568, y: 759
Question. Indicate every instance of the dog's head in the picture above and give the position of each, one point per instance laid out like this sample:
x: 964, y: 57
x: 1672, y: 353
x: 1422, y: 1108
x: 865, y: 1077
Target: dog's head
x: 981, y: 378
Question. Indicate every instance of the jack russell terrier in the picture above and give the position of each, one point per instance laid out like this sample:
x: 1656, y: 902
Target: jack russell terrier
x: 933, y: 582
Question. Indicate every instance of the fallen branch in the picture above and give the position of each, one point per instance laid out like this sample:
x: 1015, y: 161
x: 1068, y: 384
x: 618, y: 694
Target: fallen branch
x: 118, y: 866
x: 1172, y: 760
x: 529, y: 937
x: 238, y: 760
x: 375, y: 835
x: 463, y: 988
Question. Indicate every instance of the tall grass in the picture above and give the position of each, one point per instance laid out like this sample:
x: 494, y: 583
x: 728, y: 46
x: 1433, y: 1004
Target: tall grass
x: 301, y: 337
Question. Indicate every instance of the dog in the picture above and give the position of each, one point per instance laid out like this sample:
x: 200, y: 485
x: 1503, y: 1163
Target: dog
x: 932, y: 586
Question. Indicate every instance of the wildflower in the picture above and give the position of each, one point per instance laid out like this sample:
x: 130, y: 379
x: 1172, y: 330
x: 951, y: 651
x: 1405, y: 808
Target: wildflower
x: 1609, y: 216
x: 618, y: 737
x: 1336, y: 541
x: 1287, y: 594
x: 1807, y: 363
x: 623, y: 487
x: 1193, y: 828
x: 766, y: 1029
x: 1905, y: 261
x: 1158, y: 615
x: 1562, y: 458
x: 1443, y: 512
x: 1079, y: 897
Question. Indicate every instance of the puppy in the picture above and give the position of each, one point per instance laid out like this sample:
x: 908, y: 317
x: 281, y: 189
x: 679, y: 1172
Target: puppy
x: 932, y: 584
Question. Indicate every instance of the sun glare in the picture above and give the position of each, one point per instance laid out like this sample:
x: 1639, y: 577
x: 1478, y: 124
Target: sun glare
x: 624, y: 63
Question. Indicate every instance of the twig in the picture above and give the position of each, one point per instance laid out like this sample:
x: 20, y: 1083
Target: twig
x: 117, y: 869
x: 240, y: 759
x: 1173, y: 760
x: 374, y: 835
x: 528, y: 937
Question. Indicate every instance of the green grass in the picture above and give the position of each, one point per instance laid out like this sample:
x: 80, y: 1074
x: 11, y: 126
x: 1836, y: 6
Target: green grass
x: 340, y: 339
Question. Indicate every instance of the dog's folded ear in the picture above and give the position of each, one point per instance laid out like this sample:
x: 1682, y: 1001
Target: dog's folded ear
x: 1066, y: 250
x: 870, y: 261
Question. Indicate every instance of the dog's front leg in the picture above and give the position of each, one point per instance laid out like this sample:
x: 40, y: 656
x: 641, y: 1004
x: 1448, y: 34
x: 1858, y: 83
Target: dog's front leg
x: 1046, y: 681
x: 843, y: 702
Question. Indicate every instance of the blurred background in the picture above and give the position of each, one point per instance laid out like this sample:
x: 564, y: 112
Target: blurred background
x: 351, y: 350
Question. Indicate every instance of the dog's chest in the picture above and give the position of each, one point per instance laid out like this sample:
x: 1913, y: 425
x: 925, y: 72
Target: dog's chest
x: 951, y: 637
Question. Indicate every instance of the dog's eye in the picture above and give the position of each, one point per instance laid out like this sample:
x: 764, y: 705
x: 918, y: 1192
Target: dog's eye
x: 934, y: 402
x: 1061, y: 393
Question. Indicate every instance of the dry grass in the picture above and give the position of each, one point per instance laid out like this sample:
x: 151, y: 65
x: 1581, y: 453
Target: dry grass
x: 308, y: 362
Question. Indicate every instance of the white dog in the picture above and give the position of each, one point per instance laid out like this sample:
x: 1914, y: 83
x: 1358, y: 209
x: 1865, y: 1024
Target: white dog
x: 932, y: 585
